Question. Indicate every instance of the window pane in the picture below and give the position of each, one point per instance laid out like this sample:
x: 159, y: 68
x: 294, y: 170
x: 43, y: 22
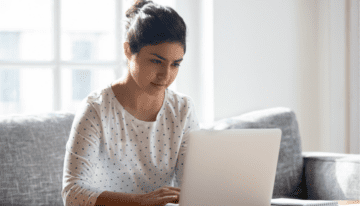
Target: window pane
x: 128, y: 3
x: 22, y: 90
x: 9, y: 84
x: 88, y: 30
x: 78, y: 83
x: 26, y: 30
x: 170, y: 3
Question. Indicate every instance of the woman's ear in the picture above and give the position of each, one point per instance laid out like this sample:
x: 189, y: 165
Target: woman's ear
x: 127, y: 50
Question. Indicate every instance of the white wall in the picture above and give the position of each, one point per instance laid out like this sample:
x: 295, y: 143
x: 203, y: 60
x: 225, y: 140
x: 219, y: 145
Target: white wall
x: 333, y: 101
x: 263, y: 54
x: 195, y: 77
x: 186, y: 78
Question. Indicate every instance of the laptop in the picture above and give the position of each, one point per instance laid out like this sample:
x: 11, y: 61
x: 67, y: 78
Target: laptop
x: 230, y: 167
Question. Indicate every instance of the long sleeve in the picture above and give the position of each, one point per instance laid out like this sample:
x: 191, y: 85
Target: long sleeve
x: 191, y: 124
x: 82, y: 149
x: 111, y: 150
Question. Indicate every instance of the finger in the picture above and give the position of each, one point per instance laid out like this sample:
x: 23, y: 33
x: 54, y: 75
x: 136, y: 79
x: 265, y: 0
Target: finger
x: 174, y: 188
x: 169, y: 199
x: 166, y: 190
x: 167, y: 193
x: 160, y: 190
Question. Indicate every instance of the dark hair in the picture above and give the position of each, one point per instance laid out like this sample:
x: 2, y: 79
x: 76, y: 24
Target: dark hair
x: 151, y: 24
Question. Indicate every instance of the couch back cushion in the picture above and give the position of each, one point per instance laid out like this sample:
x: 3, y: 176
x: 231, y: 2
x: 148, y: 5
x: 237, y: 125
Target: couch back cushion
x: 33, y: 149
x: 290, y: 162
x: 32, y: 158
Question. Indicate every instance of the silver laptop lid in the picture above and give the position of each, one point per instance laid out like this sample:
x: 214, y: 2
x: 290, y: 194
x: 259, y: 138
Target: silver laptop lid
x: 230, y: 167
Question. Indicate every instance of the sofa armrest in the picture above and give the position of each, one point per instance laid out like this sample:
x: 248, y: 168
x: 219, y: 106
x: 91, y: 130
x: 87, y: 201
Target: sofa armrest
x: 332, y: 176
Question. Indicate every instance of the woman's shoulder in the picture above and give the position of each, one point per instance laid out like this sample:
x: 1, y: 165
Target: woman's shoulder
x: 96, y: 99
x: 178, y: 97
x: 99, y: 95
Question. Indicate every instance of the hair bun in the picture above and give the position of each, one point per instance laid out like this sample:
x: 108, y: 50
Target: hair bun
x: 136, y: 7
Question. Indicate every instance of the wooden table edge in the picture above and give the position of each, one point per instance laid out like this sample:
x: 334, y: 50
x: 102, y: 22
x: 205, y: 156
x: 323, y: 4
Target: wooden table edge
x: 348, y: 202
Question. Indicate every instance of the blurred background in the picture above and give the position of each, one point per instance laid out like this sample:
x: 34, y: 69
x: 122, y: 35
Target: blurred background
x: 242, y: 55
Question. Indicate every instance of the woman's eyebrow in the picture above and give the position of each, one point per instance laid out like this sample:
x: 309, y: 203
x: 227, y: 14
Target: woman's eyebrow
x: 164, y: 58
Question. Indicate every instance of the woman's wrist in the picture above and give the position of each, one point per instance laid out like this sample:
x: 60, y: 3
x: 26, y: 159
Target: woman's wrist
x: 136, y: 199
x: 117, y: 198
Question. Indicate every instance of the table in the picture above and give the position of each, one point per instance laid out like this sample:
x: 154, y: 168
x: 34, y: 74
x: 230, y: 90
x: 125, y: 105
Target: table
x: 341, y: 202
x: 348, y: 202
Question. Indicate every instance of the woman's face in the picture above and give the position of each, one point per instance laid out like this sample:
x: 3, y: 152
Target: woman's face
x: 153, y: 65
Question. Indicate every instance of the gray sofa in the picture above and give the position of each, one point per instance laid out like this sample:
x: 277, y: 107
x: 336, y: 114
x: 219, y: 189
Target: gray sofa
x: 32, y: 150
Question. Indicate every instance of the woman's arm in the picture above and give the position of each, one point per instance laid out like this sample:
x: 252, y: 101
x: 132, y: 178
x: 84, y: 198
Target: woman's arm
x: 161, y: 196
x: 115, y: 198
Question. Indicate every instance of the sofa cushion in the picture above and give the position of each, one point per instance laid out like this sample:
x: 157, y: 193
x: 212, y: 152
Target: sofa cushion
x: 32, y: 158
x: 290, y: 162
x: 332, y: 176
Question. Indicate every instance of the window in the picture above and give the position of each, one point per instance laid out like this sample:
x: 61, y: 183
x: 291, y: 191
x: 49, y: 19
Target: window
x: 82, y: 50
x: 9, y: 78
x: 53, y: 53
x: 10, y: 86
x: 9, y: 45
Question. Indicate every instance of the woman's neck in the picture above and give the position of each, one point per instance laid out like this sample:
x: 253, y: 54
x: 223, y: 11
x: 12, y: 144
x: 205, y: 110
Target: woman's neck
x: 132, y: 97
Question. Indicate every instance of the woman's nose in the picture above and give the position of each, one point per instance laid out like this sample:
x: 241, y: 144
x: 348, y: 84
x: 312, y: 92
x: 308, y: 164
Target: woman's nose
x: 165, y: 70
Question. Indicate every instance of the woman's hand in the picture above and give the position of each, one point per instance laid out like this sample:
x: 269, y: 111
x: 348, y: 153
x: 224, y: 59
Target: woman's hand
x: 159, y: 197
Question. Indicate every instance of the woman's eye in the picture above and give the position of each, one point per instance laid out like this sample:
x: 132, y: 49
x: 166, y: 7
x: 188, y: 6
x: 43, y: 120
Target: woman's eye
x: 155, y: 61
x: 158, y: 62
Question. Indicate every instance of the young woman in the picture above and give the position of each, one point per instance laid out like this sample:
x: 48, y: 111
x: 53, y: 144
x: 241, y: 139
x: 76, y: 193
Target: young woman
x: 128, y: 140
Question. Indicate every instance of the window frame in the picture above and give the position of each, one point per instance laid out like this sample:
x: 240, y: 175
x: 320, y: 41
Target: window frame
x: 56, y: 64
x: 118, y: 66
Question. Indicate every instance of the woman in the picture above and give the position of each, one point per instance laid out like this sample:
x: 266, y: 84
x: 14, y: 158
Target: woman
x: 128, y: 140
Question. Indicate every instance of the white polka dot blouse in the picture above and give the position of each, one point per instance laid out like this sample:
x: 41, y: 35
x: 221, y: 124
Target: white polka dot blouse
x: 110, y: 150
